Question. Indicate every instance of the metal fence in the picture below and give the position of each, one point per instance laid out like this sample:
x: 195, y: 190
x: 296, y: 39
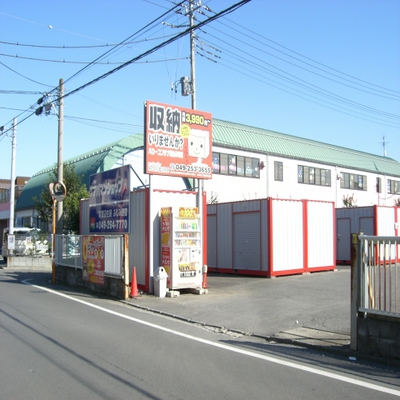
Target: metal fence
x: 68, y: 253
x: 29, y: 245
x: 380, y: 275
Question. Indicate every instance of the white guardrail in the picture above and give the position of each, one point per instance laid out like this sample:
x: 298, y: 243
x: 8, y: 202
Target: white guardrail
x: 68, y: 253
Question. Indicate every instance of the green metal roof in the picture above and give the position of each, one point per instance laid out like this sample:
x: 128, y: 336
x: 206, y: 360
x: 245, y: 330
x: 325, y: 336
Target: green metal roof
x: 233, y: 135
x: 228, y: 135
x: 95, y: 161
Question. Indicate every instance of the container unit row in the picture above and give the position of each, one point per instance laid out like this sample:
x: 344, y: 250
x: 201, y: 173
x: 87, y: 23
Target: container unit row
x: 271, y: 237
x: 264, y: 237
x: 373, y: 221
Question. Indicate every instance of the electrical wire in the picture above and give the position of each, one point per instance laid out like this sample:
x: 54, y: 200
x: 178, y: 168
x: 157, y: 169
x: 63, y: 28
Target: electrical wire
x: 115, y: 126
x: 160, y: 46
x: 146, y: 53
x: 311, y: 98
x: 23, y: 76
x: 124, y: 41
x: 19, y: 92
x: 250, y: 61
x: 234, y: 26
x: 77, y: 73
x: 84, y: 47
x: 84, y: 62
x: 380, y: 93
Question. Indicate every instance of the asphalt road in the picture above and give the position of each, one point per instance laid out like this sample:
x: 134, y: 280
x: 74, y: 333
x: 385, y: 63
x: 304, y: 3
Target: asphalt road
x: 67, y: 345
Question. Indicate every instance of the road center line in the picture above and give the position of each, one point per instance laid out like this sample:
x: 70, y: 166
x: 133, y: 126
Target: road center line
x: 274, y: 360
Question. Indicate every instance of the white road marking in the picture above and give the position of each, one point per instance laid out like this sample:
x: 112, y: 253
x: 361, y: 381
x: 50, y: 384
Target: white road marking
x: 289, y: 364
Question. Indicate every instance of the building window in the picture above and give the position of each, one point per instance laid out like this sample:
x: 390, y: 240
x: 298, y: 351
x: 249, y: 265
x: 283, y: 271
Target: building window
x: 240, y: 165
x: 224, y: 168
x: 215, y: 163
x: 313, y: 176
x: 232, y: 164
x: 256, y: 167
x: 353, y: 181
x: 378, y: 185
x: 229, y: 164
x: 278, y: 170
x: 393, y: 186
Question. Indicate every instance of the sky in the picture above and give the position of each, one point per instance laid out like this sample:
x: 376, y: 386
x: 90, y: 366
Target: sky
x: 326, y: 70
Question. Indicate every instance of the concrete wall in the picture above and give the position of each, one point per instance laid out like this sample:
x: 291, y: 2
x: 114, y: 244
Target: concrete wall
x: 30, y: 263
x: 113, y: 287
x: 379, y: 335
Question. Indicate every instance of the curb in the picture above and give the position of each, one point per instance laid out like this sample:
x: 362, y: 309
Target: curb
x: 343, y: 351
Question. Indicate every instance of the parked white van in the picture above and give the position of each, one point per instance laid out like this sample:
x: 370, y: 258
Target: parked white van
x: 28, y: 242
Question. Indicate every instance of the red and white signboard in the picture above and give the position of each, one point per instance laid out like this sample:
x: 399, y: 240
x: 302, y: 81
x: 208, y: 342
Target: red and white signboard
x: 93, y: 259
x: 178, y: 141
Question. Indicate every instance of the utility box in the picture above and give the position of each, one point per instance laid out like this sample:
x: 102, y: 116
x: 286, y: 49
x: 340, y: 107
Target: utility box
x: 160, y: 282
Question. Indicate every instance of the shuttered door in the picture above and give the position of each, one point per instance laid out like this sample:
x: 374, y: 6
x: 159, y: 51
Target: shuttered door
x: 247, y: 241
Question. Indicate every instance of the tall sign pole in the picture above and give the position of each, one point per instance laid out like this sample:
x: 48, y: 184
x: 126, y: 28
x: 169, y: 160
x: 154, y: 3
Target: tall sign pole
x: 193, y: 93
x: 192, y: 57
x: 12, y: 183
x: 60, y: 171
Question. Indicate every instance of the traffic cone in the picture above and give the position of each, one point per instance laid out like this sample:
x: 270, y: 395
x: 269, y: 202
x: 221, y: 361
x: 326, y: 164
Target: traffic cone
x: 205, y: 284
x: 134, y: 289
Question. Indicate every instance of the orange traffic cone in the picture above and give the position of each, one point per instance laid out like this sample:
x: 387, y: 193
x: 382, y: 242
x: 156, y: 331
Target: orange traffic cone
x: 205, y: 284
x: 134, y: 289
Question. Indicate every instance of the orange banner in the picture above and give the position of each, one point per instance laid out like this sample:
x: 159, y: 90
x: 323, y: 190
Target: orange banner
x: 178, y: 141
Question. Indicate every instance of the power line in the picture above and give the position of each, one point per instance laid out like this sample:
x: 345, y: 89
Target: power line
x: 303, y: 56
x: 82, y: 62
x: 379, y: 92
x: 51, y: 27
x: 146, y: 53
x: 87, y: 66
x: 290, y: 91
x: 84, y: 47
x: 23, y: 76
x: 124, y: 41
x: 19, y: 92
x: 173, y: 39
x: 248, y: 59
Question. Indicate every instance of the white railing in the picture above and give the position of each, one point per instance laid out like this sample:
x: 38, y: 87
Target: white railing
x: 68, y: 253
x: 29, y: 246
x: 379, y: 277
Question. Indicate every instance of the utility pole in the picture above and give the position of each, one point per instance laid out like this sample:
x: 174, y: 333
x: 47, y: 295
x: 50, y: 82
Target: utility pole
x: 12, y: 186
x: 192, y: 56
x: 193, y: 94
x: 60, y: 168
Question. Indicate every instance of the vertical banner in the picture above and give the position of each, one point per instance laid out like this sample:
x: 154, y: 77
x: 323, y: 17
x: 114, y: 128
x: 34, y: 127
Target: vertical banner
x: 93, y: 259
x: 178, y: 141
x: 166, y: 213
x: 109, y: 201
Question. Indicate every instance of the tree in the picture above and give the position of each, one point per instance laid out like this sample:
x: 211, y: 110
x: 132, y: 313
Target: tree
x: 213, y: 198
x: 76, y: 190
x: 349, y: 201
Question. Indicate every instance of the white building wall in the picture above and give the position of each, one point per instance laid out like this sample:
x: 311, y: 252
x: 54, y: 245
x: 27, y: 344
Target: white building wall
x: 236, y: 188
x: 225, y: 188
x: 289, y: 188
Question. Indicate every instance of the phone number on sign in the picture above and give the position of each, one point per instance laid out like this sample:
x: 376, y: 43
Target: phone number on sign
x: 112, y: 224
x: 190, y: 168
